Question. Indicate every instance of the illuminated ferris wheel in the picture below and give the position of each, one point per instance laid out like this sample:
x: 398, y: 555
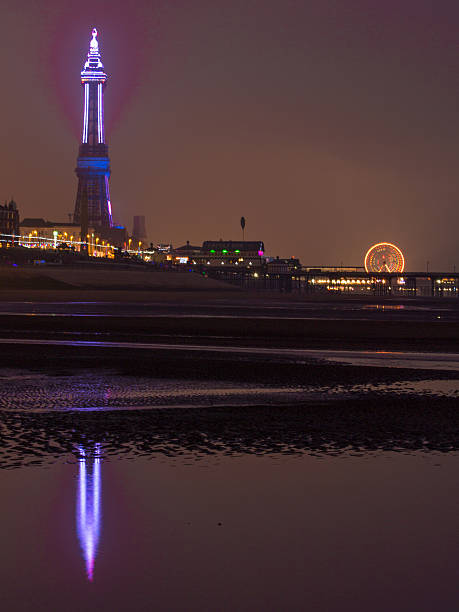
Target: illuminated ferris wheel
x: 384, y: 257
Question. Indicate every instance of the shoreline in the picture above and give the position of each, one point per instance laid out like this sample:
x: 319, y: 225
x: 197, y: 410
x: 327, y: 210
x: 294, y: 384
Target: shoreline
x: 101, y: 291
x: 407, y: 360
x: 184, y: 362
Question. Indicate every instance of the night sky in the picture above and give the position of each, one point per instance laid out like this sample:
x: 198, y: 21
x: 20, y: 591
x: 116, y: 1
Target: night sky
x: 328, y: 124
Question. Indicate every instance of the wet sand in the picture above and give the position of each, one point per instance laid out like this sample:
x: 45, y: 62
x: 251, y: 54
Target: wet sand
x: 286, y: 342
x: 436, y: 335
x: 210, y: 349
x: 48, y: 419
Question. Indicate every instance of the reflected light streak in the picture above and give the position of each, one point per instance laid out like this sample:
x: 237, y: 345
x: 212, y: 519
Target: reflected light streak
x: 88, y: 516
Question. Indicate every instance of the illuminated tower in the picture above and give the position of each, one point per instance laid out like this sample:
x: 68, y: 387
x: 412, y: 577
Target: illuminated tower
x: 93, y: 164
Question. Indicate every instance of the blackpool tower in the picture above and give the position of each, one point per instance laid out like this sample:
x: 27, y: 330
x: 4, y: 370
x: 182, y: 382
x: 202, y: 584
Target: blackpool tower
x: 92, y: 206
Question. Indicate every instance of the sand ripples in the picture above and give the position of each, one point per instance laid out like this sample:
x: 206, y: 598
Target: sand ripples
x: 47, y: 418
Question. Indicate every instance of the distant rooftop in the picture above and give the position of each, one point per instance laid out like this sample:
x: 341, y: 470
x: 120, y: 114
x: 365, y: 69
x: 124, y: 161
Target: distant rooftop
x: 188, y: 247
x: 38, y: 222
x: 233, y: 246
x: 10, y: 206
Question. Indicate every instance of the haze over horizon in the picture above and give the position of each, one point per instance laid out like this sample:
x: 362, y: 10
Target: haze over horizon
x: 329, y: 125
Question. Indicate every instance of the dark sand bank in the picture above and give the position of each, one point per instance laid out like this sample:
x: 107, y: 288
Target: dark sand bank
x: 101, y: 278
x: 324, y: 429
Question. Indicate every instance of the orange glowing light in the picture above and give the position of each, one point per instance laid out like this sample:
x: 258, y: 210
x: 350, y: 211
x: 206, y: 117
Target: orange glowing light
x: 384, y: 257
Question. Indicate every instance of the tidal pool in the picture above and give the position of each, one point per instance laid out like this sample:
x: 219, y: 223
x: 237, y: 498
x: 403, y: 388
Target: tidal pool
x: 360, y: 531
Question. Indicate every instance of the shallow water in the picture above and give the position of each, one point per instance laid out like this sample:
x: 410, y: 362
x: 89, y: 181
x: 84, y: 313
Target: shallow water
x: 383, y: 359
x: 334, y: 309
x: 298, y: 503
x: 369, y: 532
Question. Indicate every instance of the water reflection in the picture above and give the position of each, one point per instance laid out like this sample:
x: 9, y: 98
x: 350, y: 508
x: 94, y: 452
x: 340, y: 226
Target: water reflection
x: 88, y: 514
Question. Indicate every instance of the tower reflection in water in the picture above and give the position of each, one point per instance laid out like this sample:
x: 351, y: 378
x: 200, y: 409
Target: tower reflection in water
x: 88, y: 514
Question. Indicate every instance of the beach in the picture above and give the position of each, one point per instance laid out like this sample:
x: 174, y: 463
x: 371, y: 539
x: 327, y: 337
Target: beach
x: 203, y: 432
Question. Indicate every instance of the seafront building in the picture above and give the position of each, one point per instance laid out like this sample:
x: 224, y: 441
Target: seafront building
x: 227, y: 253
x: 41, y: 234
x: 233, y: 254
x: 37, y: 229
x: 9, y: 219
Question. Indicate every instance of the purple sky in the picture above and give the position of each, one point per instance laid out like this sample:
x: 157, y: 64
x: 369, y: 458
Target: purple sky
x: 328, y: 124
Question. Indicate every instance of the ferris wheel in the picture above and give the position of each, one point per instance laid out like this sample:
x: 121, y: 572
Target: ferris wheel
x: 384, y: 257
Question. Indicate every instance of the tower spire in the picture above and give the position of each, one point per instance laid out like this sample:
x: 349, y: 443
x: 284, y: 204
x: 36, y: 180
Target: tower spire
x: 93, y: 70
x: 93, y: 62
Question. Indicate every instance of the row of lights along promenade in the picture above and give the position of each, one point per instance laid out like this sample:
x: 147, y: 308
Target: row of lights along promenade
x: 243, y: 263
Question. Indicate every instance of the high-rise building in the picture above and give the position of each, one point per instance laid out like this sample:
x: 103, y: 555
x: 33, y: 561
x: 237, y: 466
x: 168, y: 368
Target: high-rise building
x: 92, y: 206
x: 139, y: 231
